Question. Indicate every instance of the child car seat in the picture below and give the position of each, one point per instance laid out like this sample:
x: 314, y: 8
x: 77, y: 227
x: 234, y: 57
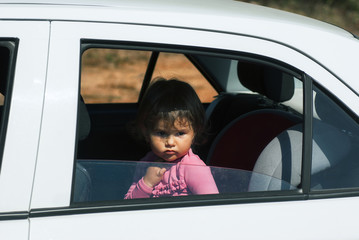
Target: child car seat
x: 240, y: 142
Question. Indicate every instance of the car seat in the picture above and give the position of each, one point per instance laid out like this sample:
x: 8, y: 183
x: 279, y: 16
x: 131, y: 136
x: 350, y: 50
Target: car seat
x: 84, y: 121
x: 239, y: 144
x: 269, y: 88
x: 260, y: 117
x: 83, y: 185
x: 282, y: 157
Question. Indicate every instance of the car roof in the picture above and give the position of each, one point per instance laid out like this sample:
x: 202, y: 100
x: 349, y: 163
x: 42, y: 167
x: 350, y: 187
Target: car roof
x: 211, y: 8
x: 322, y: 42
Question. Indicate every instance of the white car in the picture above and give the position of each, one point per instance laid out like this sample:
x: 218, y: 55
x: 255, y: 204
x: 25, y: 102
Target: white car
x: 283, y: 137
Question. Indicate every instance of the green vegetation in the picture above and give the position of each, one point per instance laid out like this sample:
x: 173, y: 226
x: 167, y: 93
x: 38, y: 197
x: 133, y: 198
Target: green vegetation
x: 343, y: 13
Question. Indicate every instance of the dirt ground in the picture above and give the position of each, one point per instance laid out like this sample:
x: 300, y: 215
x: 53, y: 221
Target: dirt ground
x: 115, y: 76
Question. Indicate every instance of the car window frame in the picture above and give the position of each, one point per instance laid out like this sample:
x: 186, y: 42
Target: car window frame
x: 283, y: 195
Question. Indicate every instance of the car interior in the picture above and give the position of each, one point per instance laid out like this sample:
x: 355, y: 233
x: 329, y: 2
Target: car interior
x: 110, y: 123
x: 237, y: 120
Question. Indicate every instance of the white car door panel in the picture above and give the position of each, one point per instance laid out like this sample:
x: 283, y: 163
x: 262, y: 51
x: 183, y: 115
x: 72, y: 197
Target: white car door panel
x: 283, y: 220
x: 14, y: 229
x: 20, y: 149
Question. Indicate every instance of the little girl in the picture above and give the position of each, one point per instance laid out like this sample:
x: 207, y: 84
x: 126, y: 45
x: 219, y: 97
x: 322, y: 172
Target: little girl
x: 171, y: 119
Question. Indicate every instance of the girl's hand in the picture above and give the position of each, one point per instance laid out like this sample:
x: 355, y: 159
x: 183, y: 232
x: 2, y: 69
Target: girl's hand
x: 153, y: 176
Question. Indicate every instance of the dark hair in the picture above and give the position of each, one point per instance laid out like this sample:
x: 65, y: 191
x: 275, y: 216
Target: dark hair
x: 170, y: 100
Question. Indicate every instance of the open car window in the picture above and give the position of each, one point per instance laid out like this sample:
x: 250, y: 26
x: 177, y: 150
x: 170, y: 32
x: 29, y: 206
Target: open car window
x: 256, y: 106
x: 112, y: 75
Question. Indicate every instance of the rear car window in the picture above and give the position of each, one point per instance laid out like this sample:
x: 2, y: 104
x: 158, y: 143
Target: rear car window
x: 243, y: 121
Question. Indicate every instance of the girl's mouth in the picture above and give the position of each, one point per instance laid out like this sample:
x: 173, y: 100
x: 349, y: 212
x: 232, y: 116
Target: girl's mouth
x: 170, y: 152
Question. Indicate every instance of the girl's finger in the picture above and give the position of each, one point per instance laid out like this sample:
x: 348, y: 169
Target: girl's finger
x: 161, y: 171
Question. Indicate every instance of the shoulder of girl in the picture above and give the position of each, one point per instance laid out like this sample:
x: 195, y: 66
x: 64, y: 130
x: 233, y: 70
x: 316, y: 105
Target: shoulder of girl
x: 192, y: 159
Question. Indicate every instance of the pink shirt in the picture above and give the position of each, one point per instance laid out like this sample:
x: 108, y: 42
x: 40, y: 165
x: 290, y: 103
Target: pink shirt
x: 188, y: 176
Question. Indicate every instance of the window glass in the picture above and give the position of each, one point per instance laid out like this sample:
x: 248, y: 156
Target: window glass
x: 6, y: 59
x: 335, y: 145
x: 111, y: 180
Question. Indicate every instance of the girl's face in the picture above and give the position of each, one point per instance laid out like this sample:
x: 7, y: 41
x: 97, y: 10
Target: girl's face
x: 171, y: 143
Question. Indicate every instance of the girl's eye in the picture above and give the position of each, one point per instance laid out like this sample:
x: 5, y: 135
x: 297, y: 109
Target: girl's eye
x: 180, y: 133
x: 160, y: 133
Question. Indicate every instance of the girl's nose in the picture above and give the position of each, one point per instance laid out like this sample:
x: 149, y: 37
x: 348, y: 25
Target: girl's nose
x: 170, y: 141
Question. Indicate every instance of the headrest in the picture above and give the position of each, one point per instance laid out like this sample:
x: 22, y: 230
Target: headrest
x: 268, y: 81
x: 84, y: 122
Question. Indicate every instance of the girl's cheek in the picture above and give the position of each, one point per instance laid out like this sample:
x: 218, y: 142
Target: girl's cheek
x: 157, y: 139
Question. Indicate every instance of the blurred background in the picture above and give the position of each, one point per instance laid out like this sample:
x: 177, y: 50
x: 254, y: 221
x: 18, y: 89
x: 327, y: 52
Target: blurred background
x: 343, y: 13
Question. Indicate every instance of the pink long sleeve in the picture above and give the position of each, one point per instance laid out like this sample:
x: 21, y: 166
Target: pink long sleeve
x: 187, y: 176
x: 138, y: 190
x: 198, y: 177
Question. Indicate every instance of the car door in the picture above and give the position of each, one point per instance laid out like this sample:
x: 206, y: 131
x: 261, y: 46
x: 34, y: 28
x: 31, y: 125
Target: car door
x: 22, y: 91
x: 272, y: 214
